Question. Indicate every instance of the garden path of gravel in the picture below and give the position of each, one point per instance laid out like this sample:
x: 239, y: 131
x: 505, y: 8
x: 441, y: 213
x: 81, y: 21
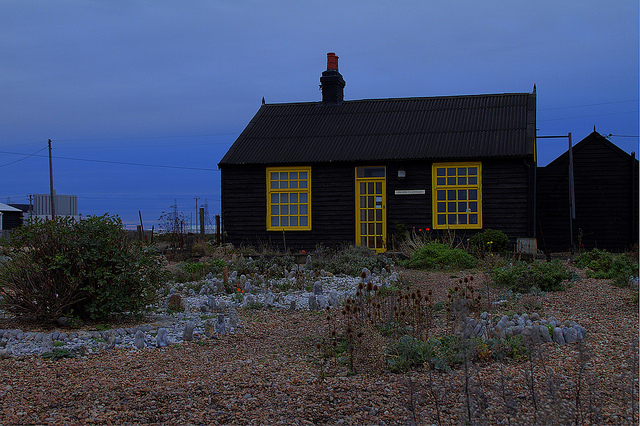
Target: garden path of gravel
x: 268, y: 374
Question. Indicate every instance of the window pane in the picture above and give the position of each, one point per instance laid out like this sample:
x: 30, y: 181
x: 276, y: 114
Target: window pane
x: 473, y: 219
x: 442, y: 207
x: 441, y: 181
x: 451, y: 206
x: 274, y: 221
x: 284, y: 175
x: 473, y: 207
x: 462, y: 219
x: 370, y: 188
x: 284, y: 184
x: 363, y: 187
x: 284, y: 209
x: 372, y: 228
x: 379, y: 215
x: 370, y: 202
x: 462, y: 194
x: 473, y: 180
x: 303, y: 184
x: 451, y: 218
x: 293, y: 209
x: 304, y: 220
x: 462, y: 181
x: 363, y: 201
x: 462, y: 171
x: 442, y: 219
x: 363, y: 241
x: 293, y: 175
x: 378, y: 187
x: 303, y: 197
x: 378, y: 229
x: 293, y: 197
x: 378, y: 202
x: 304, y: 208
x: 440, y: 171
x: 451, y: 194
x: 294, y: 184
x: 363, y: 215
x: 274, y: 184
x: 274, y: 175
x: 442, y: 195
x: 284, y: 221
x: 274, y: 210
x: 451, y: 171
x: 473, y: 194
x: 294, y: 220
x: 371, y: 215
x: 473, y: 171
x: 372, y: 242
x: 451, y: 180
x: 462, y: 207
x: 363, y: 229
x: 275, y: 198
x: 284, y: 198
x: 303, y: 175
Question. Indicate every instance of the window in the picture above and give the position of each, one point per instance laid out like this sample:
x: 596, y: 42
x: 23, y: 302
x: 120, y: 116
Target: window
x: 457, y: 195
x: 288, y: 198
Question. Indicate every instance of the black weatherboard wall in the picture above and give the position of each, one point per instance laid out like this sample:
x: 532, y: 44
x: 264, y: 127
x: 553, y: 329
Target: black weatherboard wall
x: 606, y: 198
x: 334, y: 137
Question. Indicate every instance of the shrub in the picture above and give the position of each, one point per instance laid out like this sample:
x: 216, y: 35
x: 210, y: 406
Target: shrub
x: 490, y: 240
x: 521, y: 276
x: 349, y: 260
x: 439, y: 256
x: 601, y: 264
x: 196, y: 271
x: 88, y: 269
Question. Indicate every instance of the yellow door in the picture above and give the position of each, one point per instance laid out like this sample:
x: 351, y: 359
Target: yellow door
x: 371, y: 211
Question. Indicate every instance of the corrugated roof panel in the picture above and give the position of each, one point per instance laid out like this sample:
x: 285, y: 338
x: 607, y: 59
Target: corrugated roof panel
x: 406, y: 128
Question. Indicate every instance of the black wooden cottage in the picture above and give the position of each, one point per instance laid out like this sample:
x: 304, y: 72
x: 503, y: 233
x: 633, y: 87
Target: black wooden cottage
x: 336, y: 171
x: 606, y: 198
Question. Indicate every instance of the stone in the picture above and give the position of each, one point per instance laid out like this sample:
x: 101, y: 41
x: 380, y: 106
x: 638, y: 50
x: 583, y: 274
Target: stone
x: 209, y: 328
x: 334, y: 300
x: 248, y: 288
x: 138, y: 340
x: 187, y: 334
x: 233, y: 318
x: 558, y: 336
x: 47, y: 343
x: 269, y: 300
x: 110, y: 338
x: 313, y: 302
x: 570, y: 335
x: 248, y: 301
x: 204, y: 290
x: 367, y: 276
x: 317, y: 288
x: 309, y: 261
x: 220, y: 325
x: 192, y: 293
x: 535, y: 317
x: 162, y: 339
x: 484, y: 316
x: 544, y: 334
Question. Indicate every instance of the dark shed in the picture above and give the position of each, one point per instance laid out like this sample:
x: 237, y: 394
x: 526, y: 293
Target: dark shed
x: 606, y: 198
x: 335, y: 171
x: 10, y: 217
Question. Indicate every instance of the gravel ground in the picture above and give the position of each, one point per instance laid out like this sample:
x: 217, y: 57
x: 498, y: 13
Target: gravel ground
x: 270, y: 373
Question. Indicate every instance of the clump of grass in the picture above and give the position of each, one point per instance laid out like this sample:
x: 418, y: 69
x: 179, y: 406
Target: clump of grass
x: 435, y: 255
x: 601, y: 264
x: 521, y: 276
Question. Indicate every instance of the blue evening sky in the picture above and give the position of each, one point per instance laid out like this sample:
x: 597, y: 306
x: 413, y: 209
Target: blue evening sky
x: 142, y: 98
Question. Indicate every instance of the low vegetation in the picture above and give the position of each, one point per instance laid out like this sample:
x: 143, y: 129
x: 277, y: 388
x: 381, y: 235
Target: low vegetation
x: 622, y: 268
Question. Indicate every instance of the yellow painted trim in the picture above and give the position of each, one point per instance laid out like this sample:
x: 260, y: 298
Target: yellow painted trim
x: 383, y: 180
x: 289, y: 190
x: 435, y: 187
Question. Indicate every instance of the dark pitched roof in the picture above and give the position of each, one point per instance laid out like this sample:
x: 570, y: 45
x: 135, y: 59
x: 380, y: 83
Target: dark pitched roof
x: 478, y: 126
x: 593, y: 138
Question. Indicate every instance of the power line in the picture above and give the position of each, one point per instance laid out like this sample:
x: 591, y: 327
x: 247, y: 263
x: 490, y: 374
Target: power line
x: 116, y: 162
x: 26, y: 156
x: 587, y: 116
x: 588, y: 105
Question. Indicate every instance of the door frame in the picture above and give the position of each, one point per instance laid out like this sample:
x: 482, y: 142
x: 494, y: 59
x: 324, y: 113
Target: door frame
x: 372, y: 175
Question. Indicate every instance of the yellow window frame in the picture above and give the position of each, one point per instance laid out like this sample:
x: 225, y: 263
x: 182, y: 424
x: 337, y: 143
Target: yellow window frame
x: 456, y: 195
x: 288, y: 198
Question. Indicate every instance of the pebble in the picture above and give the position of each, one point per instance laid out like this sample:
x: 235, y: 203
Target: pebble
x: 167, y: 329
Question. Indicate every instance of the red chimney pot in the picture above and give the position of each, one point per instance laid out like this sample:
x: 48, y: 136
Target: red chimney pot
x: 332, y: 61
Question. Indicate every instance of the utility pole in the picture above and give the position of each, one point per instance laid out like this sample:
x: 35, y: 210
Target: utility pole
x: 196, y: 228
x: 53, y: 208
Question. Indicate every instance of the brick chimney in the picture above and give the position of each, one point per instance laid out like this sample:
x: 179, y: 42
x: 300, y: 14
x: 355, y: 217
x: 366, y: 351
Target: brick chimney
x: 331, y: 82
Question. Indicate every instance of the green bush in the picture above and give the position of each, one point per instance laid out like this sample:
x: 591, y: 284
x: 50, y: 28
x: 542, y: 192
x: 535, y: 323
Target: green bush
x: 349, y: 260
x: 521, y: 276
x: 196, y: 271
x: 88, y: 269
x: 601, y: 264
x: 490, y: 240
x: 434, y: 255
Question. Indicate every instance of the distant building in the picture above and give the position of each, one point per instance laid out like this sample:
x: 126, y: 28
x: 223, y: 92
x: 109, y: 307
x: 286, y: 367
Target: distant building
x: 65, y: 205
x: 10, y: 217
